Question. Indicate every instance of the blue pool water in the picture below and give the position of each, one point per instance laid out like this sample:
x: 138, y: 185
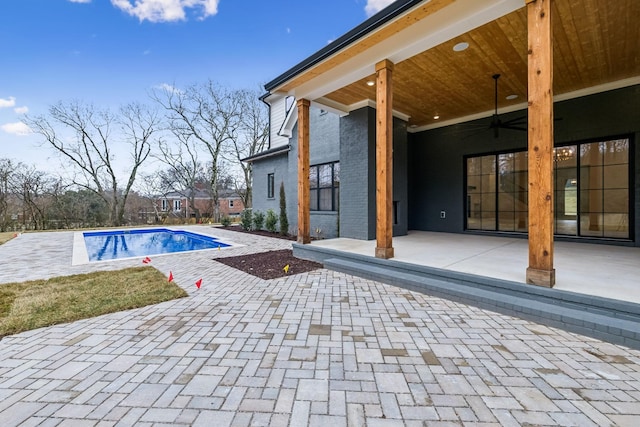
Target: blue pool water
x: 105, y: 245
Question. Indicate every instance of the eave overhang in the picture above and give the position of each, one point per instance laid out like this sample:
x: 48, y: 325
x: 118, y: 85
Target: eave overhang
x: 268, y: 153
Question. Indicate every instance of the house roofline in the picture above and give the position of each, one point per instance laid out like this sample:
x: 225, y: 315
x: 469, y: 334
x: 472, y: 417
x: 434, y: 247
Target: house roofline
x: 376, y: 21
x: 268, y: 153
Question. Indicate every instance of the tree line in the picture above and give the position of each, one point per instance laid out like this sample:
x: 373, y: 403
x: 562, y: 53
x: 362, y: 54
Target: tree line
x: 198, y: 136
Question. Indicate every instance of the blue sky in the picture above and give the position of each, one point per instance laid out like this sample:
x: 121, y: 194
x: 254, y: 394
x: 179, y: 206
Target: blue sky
x: 111, y: 52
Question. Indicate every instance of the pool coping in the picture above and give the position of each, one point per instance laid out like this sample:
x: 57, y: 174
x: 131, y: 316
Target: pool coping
x: 80, y: 256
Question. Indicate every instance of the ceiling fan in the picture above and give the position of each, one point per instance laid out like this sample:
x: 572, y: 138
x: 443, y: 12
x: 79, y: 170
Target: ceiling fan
x: 519, y: 123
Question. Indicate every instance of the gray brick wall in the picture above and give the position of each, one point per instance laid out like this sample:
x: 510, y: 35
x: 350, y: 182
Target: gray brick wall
x: 357, y: 175
x: 323, y: 148
x: 279, y: 166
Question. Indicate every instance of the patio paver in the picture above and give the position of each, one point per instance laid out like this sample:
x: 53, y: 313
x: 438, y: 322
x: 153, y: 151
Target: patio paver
x: 319, y: 348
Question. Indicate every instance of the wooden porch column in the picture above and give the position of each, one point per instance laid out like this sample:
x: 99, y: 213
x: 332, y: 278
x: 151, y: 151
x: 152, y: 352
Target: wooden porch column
x: 540, y: 65
x: 384, y: 159
x: 304, y: 235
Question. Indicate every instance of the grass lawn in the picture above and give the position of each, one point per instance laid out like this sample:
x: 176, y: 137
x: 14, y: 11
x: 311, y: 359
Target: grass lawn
x: 30, y: 305
x: 6, y: 236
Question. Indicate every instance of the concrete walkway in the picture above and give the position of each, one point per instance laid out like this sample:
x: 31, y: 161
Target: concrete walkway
x: 320, y: 349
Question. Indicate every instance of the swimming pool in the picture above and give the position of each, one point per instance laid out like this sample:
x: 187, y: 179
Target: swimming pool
x: 118, y: 244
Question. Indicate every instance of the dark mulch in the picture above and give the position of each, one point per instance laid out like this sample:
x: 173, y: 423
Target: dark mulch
x: 270, y: 265
x: 265, y: 233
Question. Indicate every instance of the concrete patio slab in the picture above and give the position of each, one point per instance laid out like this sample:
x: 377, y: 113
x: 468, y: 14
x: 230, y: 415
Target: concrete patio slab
x: 600, y: 270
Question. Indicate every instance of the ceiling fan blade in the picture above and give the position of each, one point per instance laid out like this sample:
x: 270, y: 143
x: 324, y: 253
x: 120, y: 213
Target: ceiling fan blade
x: 517, y: 121
x: 512, y: 127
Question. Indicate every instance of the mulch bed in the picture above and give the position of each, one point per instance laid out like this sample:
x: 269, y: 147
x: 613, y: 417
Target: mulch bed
x: 265, y: 233
x: 270, y: 265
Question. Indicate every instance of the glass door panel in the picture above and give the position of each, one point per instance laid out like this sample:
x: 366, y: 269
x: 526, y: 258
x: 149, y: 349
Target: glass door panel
x: 566, y: 190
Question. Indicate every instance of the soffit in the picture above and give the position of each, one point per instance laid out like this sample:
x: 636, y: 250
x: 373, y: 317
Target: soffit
x: 596, y: 42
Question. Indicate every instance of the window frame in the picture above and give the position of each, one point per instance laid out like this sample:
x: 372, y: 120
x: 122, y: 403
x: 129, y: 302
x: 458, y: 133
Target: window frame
x: 581, y: 187
x: 334, y: 187
x: 271, y: 185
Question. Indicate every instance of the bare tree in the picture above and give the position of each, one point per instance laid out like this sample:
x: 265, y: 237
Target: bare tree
x: 208, y: 113
x: 88, y: 148
x: 7, y: 169
x: 251, y: 139
x: 32, y: 188
x: 149, y: 187
x: 184, y: 170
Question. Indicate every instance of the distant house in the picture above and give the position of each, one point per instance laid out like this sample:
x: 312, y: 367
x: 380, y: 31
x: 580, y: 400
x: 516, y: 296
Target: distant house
x: 230, y: 203
x: 178, y: 204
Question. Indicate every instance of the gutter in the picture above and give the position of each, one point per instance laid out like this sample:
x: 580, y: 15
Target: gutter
x: 264, y: 154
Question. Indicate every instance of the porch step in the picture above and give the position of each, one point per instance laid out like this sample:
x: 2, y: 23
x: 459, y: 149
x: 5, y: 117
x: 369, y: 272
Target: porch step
x: 599, y: 321
x: 606, y: 319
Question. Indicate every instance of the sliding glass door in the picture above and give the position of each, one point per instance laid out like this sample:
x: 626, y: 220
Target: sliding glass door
x: 591, y: 196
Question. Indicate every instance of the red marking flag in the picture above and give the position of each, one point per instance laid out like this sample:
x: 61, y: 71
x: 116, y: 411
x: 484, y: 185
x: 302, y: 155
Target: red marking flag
x: 170, y: 276
x: 146, y: 260
x: 199, y: 283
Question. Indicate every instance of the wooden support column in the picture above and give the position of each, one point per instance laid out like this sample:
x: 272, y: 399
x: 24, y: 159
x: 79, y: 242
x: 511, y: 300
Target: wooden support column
x: 384, y: 159
x: 304, y: 219
x: 540, y: 66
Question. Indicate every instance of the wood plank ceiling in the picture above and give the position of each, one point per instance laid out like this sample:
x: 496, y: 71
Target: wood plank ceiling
x: 595, y: 42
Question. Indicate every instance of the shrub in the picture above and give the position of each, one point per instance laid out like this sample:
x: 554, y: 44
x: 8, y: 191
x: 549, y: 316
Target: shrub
x: 258, y: 220
x: 284, y: 221
x: 246, y: 219
x: 226, y: 221
x: 271, y: 221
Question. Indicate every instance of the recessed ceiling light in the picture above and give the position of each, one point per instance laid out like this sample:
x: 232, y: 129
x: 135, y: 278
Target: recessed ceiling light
x: 436, y: 117
x: 370, y: 83
x: 510, y: 97
x: 460, y: 46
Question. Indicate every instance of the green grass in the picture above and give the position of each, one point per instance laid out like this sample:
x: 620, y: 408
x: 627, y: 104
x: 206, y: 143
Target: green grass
x: 35, y: 304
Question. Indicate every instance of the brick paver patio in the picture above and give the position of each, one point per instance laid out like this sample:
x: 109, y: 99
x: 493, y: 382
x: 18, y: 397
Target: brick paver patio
x: 319, y: 348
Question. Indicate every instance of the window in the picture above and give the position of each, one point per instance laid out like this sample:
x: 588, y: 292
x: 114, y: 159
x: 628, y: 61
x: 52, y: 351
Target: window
x: 270, y: 186
x: 324, y: 187
x: 165, y: 205
x: 177, y: 205
x: 603, y: 189
x: 591, y: 195
x: 230, y: 203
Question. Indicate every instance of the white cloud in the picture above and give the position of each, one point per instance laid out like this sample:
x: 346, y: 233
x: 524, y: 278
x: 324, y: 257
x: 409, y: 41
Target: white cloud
x: 166, y: 10
x: 21, y: 110
x: 17, y: 128
x: 375, y: 6
x: 80, y: 1
x: 9, y: 102
x: 168, y: 88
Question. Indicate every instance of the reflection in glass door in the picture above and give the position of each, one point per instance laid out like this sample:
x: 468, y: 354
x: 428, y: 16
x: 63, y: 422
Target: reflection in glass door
x: 566, y: 190
x: 604, y: 189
